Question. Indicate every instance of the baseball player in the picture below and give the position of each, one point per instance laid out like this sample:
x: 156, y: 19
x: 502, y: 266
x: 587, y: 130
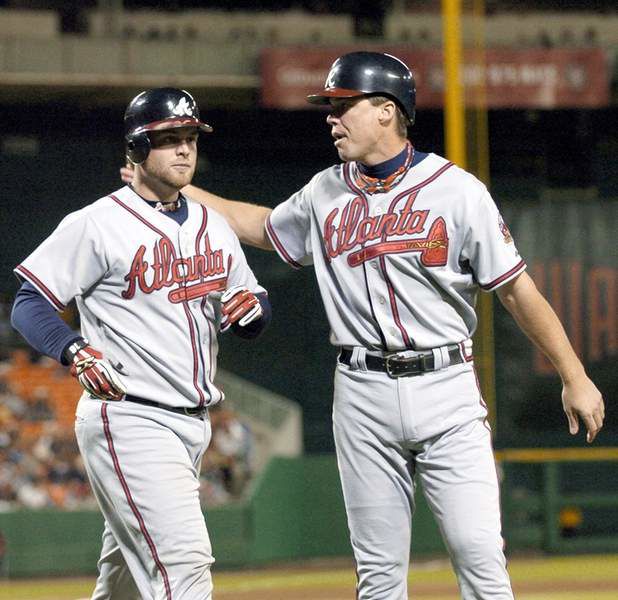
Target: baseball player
x: 401, y: 241
x: 155, y: 277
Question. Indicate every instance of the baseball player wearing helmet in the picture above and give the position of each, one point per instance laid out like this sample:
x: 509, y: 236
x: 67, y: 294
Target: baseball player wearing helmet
x: 155, y: 277
x: 401, y: 242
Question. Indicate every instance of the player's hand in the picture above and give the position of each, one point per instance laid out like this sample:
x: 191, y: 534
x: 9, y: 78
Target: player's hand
x: 582, y: 400
x: 126, y: 173
x: 96, y: 375
x: 239, y: 305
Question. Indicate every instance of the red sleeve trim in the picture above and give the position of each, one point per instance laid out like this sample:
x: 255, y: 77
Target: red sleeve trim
x: 36, y: 282
x: 520, y: 266
x: 276, y: 242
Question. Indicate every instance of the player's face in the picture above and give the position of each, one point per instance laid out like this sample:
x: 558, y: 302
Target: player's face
x: 173, y: 156
x: 356, y: 129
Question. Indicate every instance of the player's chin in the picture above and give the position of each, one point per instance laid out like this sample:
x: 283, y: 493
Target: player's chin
x: 343, y: 155
x: 345, y: 151
x: 179, y: 178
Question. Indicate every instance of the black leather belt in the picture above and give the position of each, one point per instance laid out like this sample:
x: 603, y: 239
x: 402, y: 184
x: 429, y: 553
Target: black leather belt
x: 403, y: 366
x: 190, y: 412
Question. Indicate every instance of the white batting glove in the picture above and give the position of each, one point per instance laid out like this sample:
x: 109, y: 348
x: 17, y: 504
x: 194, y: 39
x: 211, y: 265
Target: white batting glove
x: 94, y: 373
x: 239, y: 305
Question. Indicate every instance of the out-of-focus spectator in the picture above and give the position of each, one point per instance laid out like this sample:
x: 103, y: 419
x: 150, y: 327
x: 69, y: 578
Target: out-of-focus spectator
x: 39, y: 409
x: 40, y: 464
x: 232, y: 441
x: 226, y: 469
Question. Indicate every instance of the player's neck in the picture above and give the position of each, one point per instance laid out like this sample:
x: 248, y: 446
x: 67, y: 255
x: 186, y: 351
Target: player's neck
x: 387, y: 167
x: 155, y: 190
x: 384, y: 152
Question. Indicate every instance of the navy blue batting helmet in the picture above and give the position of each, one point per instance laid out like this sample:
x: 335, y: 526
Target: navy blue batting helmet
x: 369, y: 73
x: 159, y: 108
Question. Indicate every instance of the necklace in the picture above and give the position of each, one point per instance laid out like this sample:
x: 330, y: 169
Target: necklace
x: 373, y: 185
x: 167, y: 206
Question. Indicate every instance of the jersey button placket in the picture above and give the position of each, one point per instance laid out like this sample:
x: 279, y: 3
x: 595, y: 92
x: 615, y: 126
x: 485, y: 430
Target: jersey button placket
x: 185, y: 243
x: 384, y: 316
x: 378, y: 293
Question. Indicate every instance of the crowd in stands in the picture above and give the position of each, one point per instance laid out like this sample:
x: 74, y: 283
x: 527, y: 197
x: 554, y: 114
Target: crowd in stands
x: 40, y: 464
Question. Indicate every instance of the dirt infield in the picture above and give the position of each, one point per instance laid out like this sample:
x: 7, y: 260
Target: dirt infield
x: 562, y: 578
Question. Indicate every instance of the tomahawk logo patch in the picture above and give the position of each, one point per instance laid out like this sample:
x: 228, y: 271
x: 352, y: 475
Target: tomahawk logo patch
x: 508, y: 238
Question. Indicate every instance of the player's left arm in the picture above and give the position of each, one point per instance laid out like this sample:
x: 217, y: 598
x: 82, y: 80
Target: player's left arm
x: 580, y: 397
x: 245, y: 307
x: 247, y: 313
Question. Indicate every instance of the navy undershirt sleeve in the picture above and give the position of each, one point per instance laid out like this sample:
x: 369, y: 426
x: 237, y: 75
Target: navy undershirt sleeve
x: 39, y: 323
x: 255, y: 328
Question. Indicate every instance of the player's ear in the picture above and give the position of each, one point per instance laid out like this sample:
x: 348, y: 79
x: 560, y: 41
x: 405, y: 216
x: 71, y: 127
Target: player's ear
x: 388, y: 112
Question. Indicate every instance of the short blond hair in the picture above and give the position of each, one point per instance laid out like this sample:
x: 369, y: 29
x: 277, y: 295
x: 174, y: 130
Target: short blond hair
x: 402, y: 121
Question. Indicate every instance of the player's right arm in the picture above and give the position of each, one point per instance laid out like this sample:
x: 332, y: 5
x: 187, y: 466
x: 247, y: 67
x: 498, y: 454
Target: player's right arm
x: 247, y: 220
x: 580, y: 397
x: 67, y: 264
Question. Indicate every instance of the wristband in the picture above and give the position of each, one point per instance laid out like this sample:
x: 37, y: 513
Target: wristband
x: 73, y: 348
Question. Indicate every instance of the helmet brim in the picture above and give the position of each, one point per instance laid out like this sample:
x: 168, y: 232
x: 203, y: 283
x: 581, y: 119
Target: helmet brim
x: 175, y: 123
x: 324, y: 96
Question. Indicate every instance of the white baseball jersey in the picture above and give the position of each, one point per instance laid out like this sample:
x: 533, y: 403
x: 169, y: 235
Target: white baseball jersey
x: 401, y: 269
x: 147, y: 290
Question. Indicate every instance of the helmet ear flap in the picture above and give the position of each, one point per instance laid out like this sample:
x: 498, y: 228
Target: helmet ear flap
x: 138, y: 147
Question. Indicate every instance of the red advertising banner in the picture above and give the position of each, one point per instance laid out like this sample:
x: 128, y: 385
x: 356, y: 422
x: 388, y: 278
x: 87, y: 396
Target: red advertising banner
x: 534, y: 78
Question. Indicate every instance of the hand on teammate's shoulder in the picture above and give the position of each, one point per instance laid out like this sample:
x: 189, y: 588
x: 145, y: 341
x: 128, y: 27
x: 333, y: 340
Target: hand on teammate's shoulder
x: 126, y: 173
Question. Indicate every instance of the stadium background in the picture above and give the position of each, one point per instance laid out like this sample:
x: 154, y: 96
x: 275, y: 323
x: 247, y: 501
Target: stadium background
x: 553, y: 174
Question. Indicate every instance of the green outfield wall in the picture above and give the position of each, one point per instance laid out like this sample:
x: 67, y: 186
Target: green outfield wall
x: 295, y: 512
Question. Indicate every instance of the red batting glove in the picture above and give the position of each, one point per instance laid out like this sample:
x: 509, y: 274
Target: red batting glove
x: 96, y: 375
x: 239, y: 305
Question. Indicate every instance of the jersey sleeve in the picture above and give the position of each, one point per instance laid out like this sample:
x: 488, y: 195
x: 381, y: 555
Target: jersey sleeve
x: 240, y: 273
x: 289, y: 228
x: 489, y: 247
x: 68, y: 263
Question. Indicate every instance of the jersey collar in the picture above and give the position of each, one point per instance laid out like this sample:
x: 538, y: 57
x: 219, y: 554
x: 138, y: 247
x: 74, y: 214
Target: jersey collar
x: 168, y: 221
x: 374, y: 185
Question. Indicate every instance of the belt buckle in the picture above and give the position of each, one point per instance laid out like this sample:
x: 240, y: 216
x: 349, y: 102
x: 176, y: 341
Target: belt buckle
x: 407, y: 366
x: 193, y: 412
x: 395, y: 366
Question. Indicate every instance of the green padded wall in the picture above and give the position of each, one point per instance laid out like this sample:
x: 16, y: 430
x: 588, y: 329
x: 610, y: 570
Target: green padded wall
x: 295, y: 512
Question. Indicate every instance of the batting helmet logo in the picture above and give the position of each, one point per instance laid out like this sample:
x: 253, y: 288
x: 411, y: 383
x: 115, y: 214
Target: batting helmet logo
x: 183, y: 108
x: 330, y: 79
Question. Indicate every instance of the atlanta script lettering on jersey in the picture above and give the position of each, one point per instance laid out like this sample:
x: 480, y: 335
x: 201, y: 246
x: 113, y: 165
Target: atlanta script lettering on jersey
x: 356, y: 227
x: 166, y: 271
